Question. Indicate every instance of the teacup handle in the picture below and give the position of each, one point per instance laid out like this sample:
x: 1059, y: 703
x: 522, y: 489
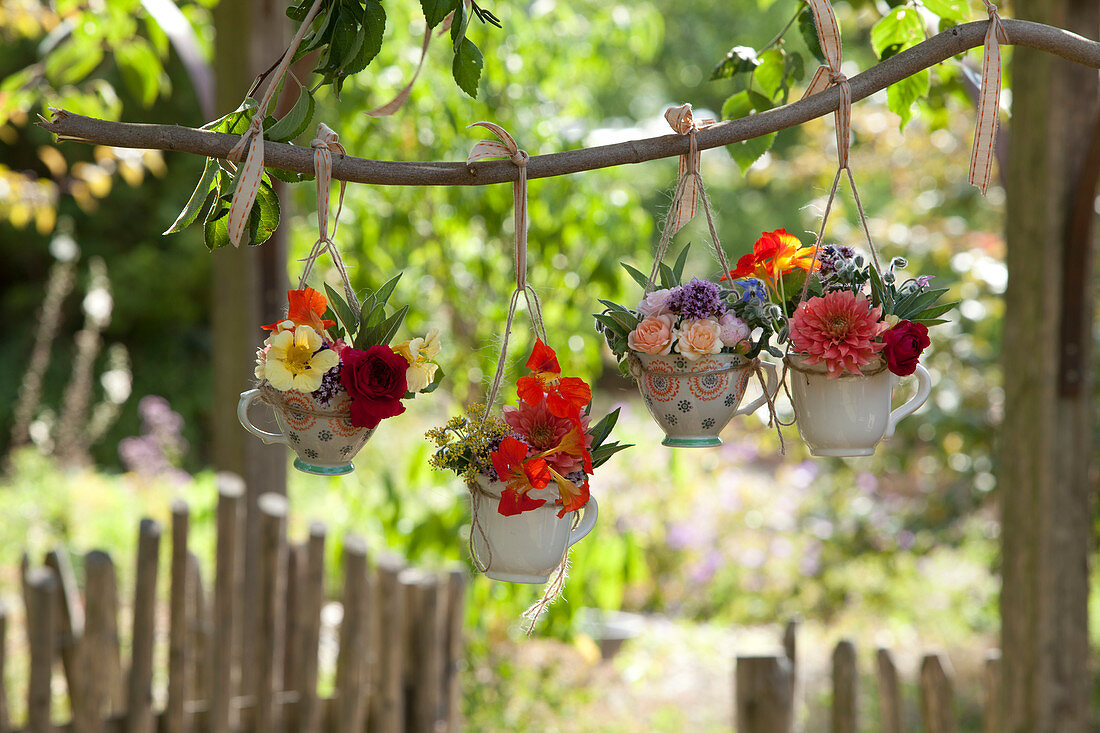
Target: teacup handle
x: 588, y: 521
x: 247, y: 398
x: 924, y: 388
x: 769, y: 390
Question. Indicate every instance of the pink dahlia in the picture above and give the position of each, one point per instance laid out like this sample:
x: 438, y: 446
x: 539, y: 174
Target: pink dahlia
x: 544, y: 431
x: 838, y: 329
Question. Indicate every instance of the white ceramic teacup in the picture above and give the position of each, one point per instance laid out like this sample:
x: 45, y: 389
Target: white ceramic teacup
x: 848, y: 415
x: 527, y: 547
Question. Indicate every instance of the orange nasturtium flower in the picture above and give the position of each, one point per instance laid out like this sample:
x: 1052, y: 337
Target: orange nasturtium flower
x: 520, y: 475
x: 565, y: 396
x: 774, y: 254
x: 306, y: 309
x: 573, y: 497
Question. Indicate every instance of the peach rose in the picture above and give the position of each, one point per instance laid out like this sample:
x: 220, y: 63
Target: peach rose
x: 652, y: 336
x: 697, y: 338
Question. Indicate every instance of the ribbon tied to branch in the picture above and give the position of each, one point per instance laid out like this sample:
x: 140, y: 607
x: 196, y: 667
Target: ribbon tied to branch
x: 689, y: 185
x: 829, y: 74
x: 989, y: 101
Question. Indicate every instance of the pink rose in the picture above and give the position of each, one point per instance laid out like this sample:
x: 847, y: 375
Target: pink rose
x: 733, y: 329
x: 652, y: 336
x: 654, y: 304
x: 697, y: 338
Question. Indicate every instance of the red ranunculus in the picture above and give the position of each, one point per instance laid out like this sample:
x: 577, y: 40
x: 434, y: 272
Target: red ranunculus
x: 904, y: 344
x: 375, y: 380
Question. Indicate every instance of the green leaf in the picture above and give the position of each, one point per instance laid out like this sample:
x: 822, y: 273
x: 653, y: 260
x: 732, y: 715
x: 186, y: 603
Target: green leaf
x: 294, y: 122
x: 458, y: 26
x: 796, y: 68
x: 344, y: 312
x: 742, y: 104
x: 389, y: 327
x: 638, y: 277
x: 809, y: 34
x: 140, y: 68
x: 370, y: 34
x: 383, y: 293
x: 215, y: 231
x: 604, y: 452
x: 288, y: 176
x: 738, y: 60
x: 73, y: 61
x: 936, y: 311
x: 681, y: 261
x: 901, y: 96
x: 467, y: 66
x: 769, y: 74
x: 198, y: 198
x: 265, y: 215
x: 668, y: 279
x: 436, y: 10
x: 616, y: 327
x: 901, y: 28
x: 602, y: 429
x: 955, y: 10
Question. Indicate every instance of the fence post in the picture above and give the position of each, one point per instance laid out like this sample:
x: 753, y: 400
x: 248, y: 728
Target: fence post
x: 308, y: 711
x: 226, y: 585
x: 387, y: 705
x: 198, y: 634
x: 845, y: 688
x: 5, y: 721
x: 350, y: 665
x: 764, y: 694
x: 70, y: 620
x: 41, y: 602
x: 101, y: 635
x: 889, y: 697
x: 936, y: 694
x: 177, y: 621
x: 273, y: 511
x: 991, y: 692
x: 139, y: 701
x: 292, y: 640
x: 426, y: 665
x: 456, y: 612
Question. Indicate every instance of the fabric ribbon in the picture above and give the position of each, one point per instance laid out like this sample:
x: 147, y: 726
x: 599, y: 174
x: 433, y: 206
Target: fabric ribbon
x: 689, y: 185
x: 250, y: 176
x: 324, y: 145
x: 829, y: 73
x: 989, y: 102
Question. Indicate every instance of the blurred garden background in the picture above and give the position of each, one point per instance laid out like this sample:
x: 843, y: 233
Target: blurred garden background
x: 708, y: 552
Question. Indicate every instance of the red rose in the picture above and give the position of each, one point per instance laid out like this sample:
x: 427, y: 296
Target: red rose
x: 375, y: 380
x: 904, y: 344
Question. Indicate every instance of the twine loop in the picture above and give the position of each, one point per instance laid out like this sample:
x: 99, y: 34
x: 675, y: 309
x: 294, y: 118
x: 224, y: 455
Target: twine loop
x: 989, y: 99
x: 829, y: 74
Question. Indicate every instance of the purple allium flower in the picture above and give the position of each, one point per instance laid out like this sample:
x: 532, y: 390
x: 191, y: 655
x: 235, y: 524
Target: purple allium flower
x: 697, y: 299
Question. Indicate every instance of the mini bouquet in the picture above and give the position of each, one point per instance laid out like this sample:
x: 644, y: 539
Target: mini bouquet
x: 331, y: 377
x: 541, y: 450
x: 692, y: 348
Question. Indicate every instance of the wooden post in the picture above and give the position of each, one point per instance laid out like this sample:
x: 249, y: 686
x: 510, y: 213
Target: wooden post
x: 177, y: 624
x: 226, y: 584
x: 428, y: 641
x: 350, y: 665
x: 845, y: 688
x: 139, y: 700
x: 308, y: 711
x: 764, y: 695
x: 42, y: 591
x: 273, y: 511
x: 101, y: 635
x: 991, y: 693
x: 456, y: 614
x: 889, y: 697
x: 292, y: 640
x: 936, y: 694
x: 387, y: 705
x: 790, y: 645
x: 70, y: 620
x: 5, y: 719
x: 198, y: 636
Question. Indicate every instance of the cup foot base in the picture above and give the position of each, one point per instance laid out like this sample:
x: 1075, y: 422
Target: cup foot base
x: 708, y: 442
x: 516, y: 577
x: 323, y: 470
x: 841, y: 452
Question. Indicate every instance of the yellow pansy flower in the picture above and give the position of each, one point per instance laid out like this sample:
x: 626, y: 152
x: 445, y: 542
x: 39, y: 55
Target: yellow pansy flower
x: 293, y: 361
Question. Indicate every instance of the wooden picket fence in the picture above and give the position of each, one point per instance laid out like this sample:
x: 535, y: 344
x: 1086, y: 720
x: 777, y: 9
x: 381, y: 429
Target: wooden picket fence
x: 241, y: 663
x: 764, y: 691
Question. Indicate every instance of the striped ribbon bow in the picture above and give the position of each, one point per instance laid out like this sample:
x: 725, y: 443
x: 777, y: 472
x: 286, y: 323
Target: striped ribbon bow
x: 989, y: 101
x: 507, y: 148
x: 829, y: 73
x: 689, y: 185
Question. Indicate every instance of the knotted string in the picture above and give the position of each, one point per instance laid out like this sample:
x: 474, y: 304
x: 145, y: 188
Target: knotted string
x: 689, y: 191
x: 248, y: 180
x: 989, y: 98
x: 829, y: 74
x: 324, y: 145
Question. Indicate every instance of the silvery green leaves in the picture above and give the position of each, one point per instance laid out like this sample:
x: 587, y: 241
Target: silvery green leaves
x: 369, y: 325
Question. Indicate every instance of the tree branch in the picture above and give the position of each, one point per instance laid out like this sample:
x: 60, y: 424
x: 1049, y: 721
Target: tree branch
x: 1070, y: 46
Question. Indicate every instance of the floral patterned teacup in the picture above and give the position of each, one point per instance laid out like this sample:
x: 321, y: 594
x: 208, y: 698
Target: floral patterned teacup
x: 848, y: 415
x: 693, y: 400
x: 320, y: 434
x: 527, y: 547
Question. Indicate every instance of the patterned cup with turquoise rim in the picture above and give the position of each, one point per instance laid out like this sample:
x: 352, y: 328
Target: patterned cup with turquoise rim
x: 693, y: 400
x: 321, y: 435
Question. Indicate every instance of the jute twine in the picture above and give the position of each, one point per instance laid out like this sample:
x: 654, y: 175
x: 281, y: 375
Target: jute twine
x: 506, y: 147
x: 690, y: 190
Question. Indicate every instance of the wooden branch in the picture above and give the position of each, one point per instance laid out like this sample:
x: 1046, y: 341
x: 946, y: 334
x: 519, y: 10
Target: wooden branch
x: 1070, y: 46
